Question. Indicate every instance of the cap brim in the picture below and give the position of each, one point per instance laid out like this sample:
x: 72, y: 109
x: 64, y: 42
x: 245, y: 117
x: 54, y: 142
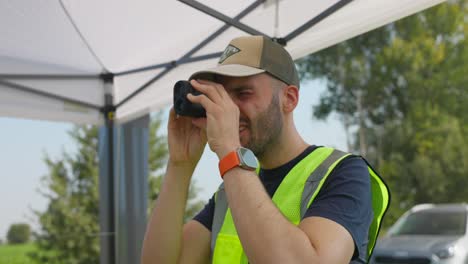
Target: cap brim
x: 231, y: 70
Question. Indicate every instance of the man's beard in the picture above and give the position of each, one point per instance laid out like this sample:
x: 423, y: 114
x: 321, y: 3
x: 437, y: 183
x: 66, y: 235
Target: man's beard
x: 267, y: 128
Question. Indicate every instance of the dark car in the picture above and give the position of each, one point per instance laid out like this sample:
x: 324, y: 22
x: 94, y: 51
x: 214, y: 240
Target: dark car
x: 426, y: 234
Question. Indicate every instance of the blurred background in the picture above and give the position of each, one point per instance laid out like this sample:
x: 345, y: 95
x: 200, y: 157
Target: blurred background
x: 397, y: 95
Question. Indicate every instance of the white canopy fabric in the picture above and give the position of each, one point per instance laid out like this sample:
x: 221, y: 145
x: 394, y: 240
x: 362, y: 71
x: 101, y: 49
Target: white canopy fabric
x: 61, y: 48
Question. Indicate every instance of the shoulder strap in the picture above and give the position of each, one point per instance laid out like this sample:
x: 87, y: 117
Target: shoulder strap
x: 220, y: 210
x: 221, y: 207
x: 317, y: 177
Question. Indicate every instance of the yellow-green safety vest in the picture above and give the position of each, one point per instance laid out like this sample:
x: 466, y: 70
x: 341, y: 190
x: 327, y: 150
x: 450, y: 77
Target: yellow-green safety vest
x: 293, y: 196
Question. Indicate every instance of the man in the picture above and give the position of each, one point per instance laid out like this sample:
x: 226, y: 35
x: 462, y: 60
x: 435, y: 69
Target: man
x: 308, y: 204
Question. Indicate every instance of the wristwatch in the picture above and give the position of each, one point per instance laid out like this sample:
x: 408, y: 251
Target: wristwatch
x: 241, y: 157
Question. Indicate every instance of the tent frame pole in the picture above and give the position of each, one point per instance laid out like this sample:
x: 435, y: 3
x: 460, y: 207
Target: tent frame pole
x: 168, y: 64
x: 27, y: 89
x: 226, y: 19
x: 50, y: 76
x: 312, y: 22
x: 109, y: 114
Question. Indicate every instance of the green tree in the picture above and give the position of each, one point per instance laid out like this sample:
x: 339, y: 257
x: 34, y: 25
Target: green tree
x: 70, y: 225
x: 425, y: 161
x: 19, y: 233
x: 347, y: 69
x: 421, y: 58
x: 402, y: 89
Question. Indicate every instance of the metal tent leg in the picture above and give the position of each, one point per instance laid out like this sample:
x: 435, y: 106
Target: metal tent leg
x: 132, y: 189
x: 106, y: 194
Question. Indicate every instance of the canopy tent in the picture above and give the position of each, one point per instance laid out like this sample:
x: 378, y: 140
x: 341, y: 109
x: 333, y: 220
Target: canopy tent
x: 93, y: 62
x: 66, y: 48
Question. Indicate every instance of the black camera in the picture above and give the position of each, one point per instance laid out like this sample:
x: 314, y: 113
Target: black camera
x: 182, y: 105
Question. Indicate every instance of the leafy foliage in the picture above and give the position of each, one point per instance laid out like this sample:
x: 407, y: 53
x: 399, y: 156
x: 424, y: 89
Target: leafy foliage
x: 70, y: 225
x: 402, y: 88
x: 19, y: 233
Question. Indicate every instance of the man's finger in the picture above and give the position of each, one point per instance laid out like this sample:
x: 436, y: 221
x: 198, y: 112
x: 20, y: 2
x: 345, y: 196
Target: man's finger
x: 172, y: 114
x: 203, y: 100
x: 219, y: 87
x: 210, y: 89
x: 200, y: 123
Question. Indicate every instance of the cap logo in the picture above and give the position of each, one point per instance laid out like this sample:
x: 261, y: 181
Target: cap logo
x: 228, y: 52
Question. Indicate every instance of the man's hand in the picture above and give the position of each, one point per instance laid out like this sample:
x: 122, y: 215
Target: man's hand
x: 163, y: 238
x: 222, y: 116
x: 186, y: 141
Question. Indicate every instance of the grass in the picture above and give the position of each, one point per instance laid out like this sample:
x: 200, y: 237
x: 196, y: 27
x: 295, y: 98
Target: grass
x: 15, y: 254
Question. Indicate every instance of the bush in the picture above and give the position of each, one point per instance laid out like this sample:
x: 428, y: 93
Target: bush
x: 18, y: 233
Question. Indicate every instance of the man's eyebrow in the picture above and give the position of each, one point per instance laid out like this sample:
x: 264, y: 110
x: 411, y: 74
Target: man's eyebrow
x: 240, y: 88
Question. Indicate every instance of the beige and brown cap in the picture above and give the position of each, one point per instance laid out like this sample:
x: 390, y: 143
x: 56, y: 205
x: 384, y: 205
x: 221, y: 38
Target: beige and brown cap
x: 250, y: 55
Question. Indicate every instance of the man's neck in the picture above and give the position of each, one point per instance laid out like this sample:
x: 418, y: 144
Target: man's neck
x: 289, y: 146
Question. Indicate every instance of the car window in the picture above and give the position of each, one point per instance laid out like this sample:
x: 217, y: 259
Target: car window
x: 431, y: 223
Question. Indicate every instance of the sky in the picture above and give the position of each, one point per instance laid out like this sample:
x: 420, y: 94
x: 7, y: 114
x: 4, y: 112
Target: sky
x: 25, y: 143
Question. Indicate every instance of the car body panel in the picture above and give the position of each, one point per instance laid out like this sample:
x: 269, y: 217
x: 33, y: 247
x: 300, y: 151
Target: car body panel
x: 430, y: 248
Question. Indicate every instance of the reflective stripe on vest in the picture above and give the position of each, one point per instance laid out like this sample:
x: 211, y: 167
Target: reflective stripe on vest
x: 293, y: 196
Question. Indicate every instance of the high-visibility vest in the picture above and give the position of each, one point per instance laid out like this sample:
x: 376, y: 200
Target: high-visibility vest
x: 293, y: 196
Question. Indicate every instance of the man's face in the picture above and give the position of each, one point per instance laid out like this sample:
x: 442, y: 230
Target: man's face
x: 261, y: 120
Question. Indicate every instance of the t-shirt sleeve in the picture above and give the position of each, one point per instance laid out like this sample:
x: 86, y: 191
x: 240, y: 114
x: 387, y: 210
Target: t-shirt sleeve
x: 345, y: 198
x: 205, y: 216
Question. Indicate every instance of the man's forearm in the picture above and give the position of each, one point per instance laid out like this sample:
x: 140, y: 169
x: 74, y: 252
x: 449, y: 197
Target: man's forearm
x: 163, y: 236
x: 266, y: 235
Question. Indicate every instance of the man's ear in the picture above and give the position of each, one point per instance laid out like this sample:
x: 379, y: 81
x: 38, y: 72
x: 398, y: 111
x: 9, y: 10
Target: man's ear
x: 290, y: 98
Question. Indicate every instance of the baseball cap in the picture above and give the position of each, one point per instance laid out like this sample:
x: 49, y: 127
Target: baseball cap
x: 250, y: 55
